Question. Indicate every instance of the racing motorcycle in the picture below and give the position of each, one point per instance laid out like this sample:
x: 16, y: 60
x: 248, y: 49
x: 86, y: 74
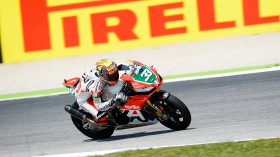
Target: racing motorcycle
x: 147, y: 105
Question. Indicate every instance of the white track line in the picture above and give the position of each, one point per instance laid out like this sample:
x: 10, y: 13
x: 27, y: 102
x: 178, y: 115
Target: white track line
x: 34, y: 96
x: 225, y: 74
x: 85, y: 154
x: 173, y: 80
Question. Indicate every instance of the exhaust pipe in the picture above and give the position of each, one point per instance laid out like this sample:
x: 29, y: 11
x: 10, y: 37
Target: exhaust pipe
x: 75, y: 113
x: 80, y: 115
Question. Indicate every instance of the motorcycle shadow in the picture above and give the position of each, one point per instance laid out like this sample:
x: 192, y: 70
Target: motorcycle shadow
x: 133, y: 135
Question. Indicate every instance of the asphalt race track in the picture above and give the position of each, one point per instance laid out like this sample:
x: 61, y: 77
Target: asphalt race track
x: 223, y: 109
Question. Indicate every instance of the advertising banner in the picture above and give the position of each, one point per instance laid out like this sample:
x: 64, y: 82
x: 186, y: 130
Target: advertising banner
x: 41, y: 29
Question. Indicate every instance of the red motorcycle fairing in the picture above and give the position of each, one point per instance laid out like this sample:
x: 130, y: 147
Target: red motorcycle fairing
x: 71, y: 82
x: 137, y: 101
x: 138, y: 85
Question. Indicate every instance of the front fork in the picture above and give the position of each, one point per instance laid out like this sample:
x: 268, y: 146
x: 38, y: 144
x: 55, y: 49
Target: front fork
x: 159, y: 110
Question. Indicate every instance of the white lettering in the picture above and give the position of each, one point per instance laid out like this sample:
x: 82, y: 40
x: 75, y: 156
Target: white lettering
x: 146, y: 73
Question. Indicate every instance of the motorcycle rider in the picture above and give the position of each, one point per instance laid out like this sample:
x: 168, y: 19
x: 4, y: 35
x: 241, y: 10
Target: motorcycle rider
x: 102, y: 84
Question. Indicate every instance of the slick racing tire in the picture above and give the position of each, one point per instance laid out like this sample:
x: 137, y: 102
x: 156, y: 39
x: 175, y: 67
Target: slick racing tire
x: 178, y: 111
x: 97, y: 133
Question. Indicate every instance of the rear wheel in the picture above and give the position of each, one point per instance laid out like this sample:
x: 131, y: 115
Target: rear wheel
x: 95, y: 133
x: 178, y: 112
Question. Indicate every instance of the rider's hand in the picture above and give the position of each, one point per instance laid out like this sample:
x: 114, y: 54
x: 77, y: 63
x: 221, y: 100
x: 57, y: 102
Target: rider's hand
x: 120, y: 97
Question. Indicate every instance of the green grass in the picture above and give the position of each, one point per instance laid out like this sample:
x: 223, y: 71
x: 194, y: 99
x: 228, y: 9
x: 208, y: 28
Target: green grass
x: 59, y: 90
x: 224, y: 71
x: 33, y: 93
x: 256, y: 148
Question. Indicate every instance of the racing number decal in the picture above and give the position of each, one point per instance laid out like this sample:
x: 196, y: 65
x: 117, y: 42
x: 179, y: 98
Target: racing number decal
x: 146, y: 73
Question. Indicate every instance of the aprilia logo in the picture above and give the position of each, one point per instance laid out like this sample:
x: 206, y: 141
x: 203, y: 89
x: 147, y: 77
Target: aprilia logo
x: 133, y: 107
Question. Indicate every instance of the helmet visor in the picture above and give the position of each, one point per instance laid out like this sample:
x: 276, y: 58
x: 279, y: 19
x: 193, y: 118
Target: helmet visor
x: 112, y: 77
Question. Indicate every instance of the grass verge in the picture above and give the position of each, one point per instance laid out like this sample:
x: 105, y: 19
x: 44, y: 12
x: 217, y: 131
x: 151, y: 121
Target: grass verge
x: 33, y: 93
x: 59, y: 90
x: 256, y: 148
x: 224, y: 71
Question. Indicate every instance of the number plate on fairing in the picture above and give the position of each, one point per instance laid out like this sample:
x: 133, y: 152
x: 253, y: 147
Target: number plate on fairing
x: 144, y: 74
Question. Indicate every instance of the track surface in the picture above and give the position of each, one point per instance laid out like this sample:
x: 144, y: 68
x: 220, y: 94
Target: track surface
x: 223, y: 109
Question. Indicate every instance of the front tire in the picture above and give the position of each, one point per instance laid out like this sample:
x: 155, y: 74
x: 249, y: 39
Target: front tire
x: 93, y: 133
x: 180, y: 116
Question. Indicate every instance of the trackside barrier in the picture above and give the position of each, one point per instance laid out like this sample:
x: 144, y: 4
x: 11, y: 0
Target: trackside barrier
x: 0, y: 53
x: 0, y: 45
x: 0, y: 56
x: 40, y: 29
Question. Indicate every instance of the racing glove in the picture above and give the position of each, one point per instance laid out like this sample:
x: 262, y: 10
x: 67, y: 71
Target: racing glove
x: 117, y: 100
x: 120, y: 97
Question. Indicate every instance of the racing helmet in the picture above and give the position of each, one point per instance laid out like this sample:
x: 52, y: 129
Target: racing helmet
x: 107, y: 71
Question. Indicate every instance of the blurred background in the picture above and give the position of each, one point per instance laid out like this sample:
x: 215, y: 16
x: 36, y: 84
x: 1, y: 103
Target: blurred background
x: 45, y: 41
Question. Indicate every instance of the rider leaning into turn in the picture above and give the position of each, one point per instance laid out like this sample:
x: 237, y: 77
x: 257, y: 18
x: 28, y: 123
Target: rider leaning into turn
x: 103, y: 85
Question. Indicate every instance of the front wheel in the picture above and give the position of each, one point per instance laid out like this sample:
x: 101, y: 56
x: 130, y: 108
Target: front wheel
x: 97, y: 133
x: 178, y: 113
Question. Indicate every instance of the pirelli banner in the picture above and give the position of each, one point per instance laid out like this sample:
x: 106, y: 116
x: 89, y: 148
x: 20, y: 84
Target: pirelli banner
x: 40, y: 29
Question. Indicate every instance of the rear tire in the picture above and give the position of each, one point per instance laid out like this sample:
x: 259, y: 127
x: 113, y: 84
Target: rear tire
x: 178, y: 111
x: 94, y: 133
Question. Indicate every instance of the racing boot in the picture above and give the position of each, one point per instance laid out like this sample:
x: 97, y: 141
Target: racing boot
x: 101, y: 118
